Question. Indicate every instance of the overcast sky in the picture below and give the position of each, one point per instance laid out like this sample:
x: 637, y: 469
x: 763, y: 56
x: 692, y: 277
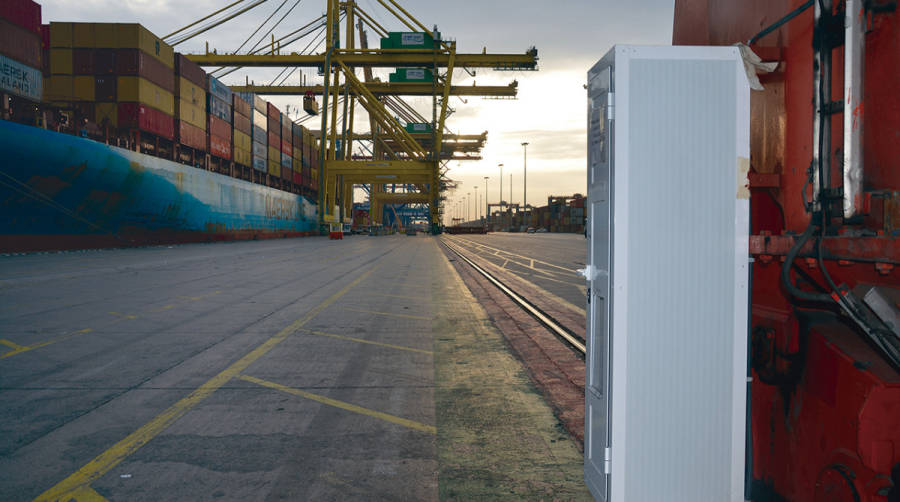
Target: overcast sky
x: 570, y: 36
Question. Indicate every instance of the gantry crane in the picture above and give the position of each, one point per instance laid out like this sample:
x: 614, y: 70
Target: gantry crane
x: 398, y: 156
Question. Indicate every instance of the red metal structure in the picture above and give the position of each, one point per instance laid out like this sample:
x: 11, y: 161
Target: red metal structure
x: 826, y: 384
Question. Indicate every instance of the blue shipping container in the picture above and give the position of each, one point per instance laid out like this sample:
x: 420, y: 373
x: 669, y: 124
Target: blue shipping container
x: 260, y: 164
x: 20, y: 80
x: 260, y: 150
x: 286, y: 160
x: 218, y: 108
x: 221, y: 90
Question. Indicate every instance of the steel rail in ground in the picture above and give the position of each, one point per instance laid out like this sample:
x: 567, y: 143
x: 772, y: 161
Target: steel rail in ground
x: 548, y: 322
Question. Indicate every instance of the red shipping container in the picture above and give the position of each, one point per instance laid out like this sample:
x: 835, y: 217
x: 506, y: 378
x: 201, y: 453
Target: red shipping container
x: 105, y: 62
x: 285, y: 132
x: 286, y: 174
x: 45, y: 36
x: 192, y: 136
x: 138, y: 63
x: 220, y: 147
x: 240, y: 106
x: 274, y: 140
x: 273, y: 113
x: 188, y: 69
x: 273, y: 125
x: 19, y: 44
x: 83, y: 61
x: 105, y: 88
x: 144, y: 118
x: 298, y: 178
x: 286, y: 147
x: 218, y: 127
x: 24, y: 13
x: 241, y: 123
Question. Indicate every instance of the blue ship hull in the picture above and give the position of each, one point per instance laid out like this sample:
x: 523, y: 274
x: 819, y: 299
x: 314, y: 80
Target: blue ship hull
x: 59, y: 191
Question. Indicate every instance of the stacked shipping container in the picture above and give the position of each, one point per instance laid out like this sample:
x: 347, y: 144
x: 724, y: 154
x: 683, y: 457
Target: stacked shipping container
x: 20, y: 54
x: 242, y: 144
x: 273, y: 123
x: 219, y: 120
x: 190, y: 109
x: 125, y: 79
x: 114, y: 74
x: 287, y: 152
x: 297, y: 150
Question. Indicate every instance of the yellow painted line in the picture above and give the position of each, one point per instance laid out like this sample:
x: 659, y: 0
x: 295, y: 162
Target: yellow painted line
x: 164, y: 308
x: 25, y: 348
x: 10, y: 344
x: 370, y: 342
x: 569, y: 270
x: 342, y: 405
x: 201, y: 297
x: 388, y: 314
x: 87, y: 494
x: 103, y: 463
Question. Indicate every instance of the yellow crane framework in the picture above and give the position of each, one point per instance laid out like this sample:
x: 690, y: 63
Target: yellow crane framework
x: 398, y: 156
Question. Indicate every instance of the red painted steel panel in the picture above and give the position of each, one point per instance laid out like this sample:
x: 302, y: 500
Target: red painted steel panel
x: 83, y: 61
x: 135, y: 62
x: 273, y: 113
x: 105, y: 88
x: 220, y: 147
x: 145, y: 118
x: 240, y: 106
x: 190, y: 70
x: 286, y: 147
x: 242, y: 123
x: 23, y: 13
x: 218, y: 127
x: 274, y: 140
x: 20, y: 44
x: 105, y: 62
x: 814, y: 406
x: 190, y: 135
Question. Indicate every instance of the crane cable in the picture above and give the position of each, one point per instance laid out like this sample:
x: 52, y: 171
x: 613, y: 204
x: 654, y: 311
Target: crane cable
x: 210, y: 26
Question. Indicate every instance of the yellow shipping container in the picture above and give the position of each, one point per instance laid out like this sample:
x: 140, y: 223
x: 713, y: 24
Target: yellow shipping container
x: 242, y: 157
x: 298, y: 154
x: 242, y: 141
x: 58, y: 88
x: 106, y: 35
x: 275, y: 153
x: 295, y: 163
x: 190, y: 92
x: 83, y: 88
x: 135, y: 36
x: 192, y: 114
x: 275, y: 168
x: 60, y: 34
x: 60, y: 61
x: 83, y: 35
x: 139, y: 90
x: 108, y: 112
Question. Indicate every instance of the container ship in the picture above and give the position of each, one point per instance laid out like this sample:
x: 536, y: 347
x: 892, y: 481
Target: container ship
x: 111, y: 138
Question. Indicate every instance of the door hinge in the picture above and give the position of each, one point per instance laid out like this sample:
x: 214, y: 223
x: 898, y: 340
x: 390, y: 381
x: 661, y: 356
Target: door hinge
x: 607, y: 461
x: 611, y: 106
x: 587, y: 272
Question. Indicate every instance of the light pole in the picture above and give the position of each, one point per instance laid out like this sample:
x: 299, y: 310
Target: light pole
x: 501, y: 193
x: 468, y: 204
x: 476, y: 203
x: 525, y: 183
x: 487, y: 208
x: 510, y: 203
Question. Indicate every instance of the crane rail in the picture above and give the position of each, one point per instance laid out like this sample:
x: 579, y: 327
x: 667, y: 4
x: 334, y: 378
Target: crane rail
x: 573, y: 341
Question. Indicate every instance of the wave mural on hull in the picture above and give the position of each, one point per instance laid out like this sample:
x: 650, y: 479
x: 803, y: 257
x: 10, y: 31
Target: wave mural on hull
x: 59, y: 191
